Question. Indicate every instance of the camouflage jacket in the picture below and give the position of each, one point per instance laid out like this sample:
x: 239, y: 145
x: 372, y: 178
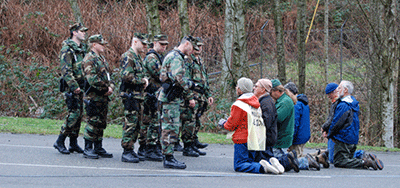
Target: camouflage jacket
x: 152, y: 63
x: 199, y: 76
x: 173, y: 70
x: 97, y: 73
x: 132, y: 72
x: 71, y: 56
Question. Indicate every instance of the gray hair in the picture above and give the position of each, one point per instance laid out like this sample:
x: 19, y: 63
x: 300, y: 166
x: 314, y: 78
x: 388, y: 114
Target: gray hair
x: 348, y: 85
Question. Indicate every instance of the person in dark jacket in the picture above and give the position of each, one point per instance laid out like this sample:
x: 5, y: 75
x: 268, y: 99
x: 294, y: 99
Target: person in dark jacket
x: 270, y: 117
x: 344, y: 131
x: 301, y: 133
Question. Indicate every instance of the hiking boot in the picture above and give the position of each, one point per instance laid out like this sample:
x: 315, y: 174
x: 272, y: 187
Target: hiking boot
x: 268, y: 167
x: 98, y: 149
x: 323, y: 159
x: 199, y: 144
x: 89, y: 152
x: 188, y: 150
x: 171, y: 162
x: 129, y: 157
x: 377, y: 161
x: 142, y: 152
x: 198, y: 151
x: 59, y: 144
x: 73, y: 145
x: 367, y: 162
x: 294, y: 163
x: 151, y: 153
x: 178, y: 147
x: 312, y: 163
x: 275, y: 163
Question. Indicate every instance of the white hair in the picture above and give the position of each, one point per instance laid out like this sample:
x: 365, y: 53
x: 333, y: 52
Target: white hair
x: 348, y: 85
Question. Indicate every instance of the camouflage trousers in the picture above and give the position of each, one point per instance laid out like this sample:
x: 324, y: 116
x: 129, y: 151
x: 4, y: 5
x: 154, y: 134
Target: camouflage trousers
x: 170, y: 123
x: 151, y: 125
x: 97, y: 121
x: 132, y: 125
x: 188, y: 123
x: 73, y: 120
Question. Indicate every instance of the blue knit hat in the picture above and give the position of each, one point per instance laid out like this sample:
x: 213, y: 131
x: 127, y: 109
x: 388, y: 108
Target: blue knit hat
x: 330, y: 87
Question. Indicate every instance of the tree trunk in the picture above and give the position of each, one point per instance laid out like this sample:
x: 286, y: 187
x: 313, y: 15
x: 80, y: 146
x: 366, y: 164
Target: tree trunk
x: 280, y: 45
x: 388, y: 59
x: 301, y: 38
x: 239, y: 63
x: 153, y: 18
x: 228, y: 84
x: 76, y: 11
x: 326, y: 50
x: 183, y: 17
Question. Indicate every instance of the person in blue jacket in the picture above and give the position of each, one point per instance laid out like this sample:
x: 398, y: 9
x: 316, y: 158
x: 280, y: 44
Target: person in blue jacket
x: 344, y: 131
x: 302, y: 131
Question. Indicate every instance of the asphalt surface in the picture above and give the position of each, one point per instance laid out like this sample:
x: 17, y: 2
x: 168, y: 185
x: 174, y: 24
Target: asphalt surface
x: 31, y: 161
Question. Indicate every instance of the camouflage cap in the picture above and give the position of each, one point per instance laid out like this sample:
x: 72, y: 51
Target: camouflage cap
x: 192, y: 40
x: 142, y: 37
x: 77, y: 26
x: 163, y: 39
x: 199, y: 41
x: 97, y: 39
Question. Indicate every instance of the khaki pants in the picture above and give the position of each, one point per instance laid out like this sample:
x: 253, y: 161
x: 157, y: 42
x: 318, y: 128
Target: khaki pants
x: 298, y: 149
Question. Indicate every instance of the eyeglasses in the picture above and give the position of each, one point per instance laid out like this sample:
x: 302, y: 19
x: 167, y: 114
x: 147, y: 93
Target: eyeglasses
x: 256, y: 86
x: 163, y: 44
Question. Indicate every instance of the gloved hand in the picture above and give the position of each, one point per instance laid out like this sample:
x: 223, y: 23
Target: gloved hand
x: 221, y: 122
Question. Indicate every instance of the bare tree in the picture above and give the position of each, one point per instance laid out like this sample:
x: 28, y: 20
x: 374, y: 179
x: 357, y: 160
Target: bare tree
x: 153, y: 18
x: 76, y: 11
x: 301, y: 46
x: 235, y: 46
x: 280, y: 45
x: 385, y: 47
x: 183, y: 17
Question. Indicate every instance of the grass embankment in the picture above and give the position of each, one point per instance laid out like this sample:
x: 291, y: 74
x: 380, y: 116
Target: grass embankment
x: 48, y: 127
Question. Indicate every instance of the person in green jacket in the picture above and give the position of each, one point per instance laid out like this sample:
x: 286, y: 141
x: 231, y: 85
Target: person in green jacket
x: 285, y: 108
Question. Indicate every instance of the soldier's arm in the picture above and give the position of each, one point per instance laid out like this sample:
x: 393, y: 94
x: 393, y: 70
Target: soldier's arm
x: 66, y: 60
x: 93, y: 77
x: 152, y: 66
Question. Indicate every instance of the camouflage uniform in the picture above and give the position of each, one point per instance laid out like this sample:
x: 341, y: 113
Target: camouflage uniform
x: 97, y: 74
x: 173, y: 71
x: 71, y: 57
x: 132, y: 73
x: 152, y: 64
x: 202, y: 91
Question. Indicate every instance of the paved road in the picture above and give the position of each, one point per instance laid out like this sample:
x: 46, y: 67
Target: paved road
x: 31, y: 161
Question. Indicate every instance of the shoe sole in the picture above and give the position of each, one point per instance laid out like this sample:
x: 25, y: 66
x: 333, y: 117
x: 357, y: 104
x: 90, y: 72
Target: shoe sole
x: 152, y: 159
x: 378, y: 162
x: 275, y: 163
x: 85, y: 156
x: 66, y: 153
x: 174, y: 167
x: 292, y: 161
x: 268, y: 167
x: 128, y: 161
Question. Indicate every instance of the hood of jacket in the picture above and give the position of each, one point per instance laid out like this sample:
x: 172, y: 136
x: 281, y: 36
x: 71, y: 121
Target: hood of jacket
x: 250, y: 99
x: 352, y: 102
x: 303, y: 98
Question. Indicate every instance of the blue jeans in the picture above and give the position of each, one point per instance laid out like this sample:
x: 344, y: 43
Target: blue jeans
x: 282, y: 158
x: 243, y: 160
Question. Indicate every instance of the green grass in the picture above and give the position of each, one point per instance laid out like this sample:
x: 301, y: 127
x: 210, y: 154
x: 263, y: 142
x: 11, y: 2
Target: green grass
x: 48, y: 127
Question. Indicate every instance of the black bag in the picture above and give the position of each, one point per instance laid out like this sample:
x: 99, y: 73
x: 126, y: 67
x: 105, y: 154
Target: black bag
x: 72, y: 102
x: 63, y: 85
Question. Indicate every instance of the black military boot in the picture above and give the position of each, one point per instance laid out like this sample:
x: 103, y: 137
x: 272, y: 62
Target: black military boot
x: 59, y: 144
x: 197, y: 150
x: 188, y: 150
x: 171, y: 162
x: 158, y: 149
x: 98, y: 149
x: 293, y: 161
x: 73, y: 145
x: 142, y: 152
x: 129, y: 156
x: 177, y: 146
x: 151, y: 153
x: 200, y: 145
x: 89, y: 152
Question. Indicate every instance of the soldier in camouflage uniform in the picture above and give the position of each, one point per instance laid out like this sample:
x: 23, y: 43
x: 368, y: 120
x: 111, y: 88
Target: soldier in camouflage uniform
x: 152, y: 64
x: 99, y: 87
x: 175, y: 84
x: 191, y: 116
x: 134, y: 82
x: 72, y: 81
